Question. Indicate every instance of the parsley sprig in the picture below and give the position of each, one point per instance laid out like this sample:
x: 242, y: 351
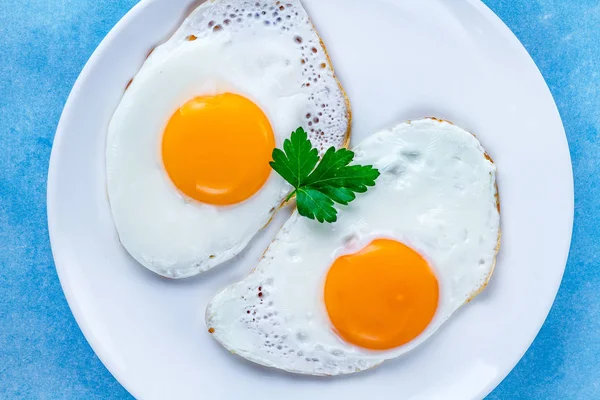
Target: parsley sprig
x: 318, y: 184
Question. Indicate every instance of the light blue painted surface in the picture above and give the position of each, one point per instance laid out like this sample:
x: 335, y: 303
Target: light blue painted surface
x: 44, y: 45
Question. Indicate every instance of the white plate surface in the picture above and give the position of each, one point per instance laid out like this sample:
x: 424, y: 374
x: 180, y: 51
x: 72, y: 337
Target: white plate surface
x: 398, y: 60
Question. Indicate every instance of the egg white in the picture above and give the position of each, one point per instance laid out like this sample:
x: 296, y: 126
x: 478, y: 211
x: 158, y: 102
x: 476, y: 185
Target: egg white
x: 436, y: 193
x: 270, y: 55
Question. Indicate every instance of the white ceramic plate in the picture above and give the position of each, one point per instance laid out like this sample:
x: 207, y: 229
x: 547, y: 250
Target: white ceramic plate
x: 398, y: 60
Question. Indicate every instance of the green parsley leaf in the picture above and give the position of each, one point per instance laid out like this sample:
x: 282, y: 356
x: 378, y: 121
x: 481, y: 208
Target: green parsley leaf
x: 315, y: 205
x: 319, y: 184
x: 298, y: 160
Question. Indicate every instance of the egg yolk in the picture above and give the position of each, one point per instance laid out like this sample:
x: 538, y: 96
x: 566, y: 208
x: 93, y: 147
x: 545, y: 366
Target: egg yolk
x: 381, y: 297
x: 216, y: 149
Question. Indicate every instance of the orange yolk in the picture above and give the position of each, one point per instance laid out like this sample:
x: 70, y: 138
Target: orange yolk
x: 381, y: 297
x: 216, y: 149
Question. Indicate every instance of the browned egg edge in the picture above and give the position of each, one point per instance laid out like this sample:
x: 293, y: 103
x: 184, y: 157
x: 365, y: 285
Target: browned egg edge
x: 348, y: 133
x: 497, y: 195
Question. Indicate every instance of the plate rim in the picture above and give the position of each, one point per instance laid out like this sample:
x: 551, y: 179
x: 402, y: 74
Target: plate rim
x: 52, y: 193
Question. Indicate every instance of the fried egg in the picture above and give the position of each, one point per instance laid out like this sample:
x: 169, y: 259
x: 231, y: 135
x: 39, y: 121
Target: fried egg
x: 188, y: 146
x: 330, y: 299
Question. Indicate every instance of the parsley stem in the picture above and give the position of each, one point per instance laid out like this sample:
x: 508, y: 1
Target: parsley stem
x: 290, y: 196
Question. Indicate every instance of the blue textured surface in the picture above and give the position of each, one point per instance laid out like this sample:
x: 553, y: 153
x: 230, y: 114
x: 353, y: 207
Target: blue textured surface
x: 45, y: 44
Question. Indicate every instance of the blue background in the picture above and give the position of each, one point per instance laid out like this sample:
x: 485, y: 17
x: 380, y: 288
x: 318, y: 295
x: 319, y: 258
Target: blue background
x: 44, y: 45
